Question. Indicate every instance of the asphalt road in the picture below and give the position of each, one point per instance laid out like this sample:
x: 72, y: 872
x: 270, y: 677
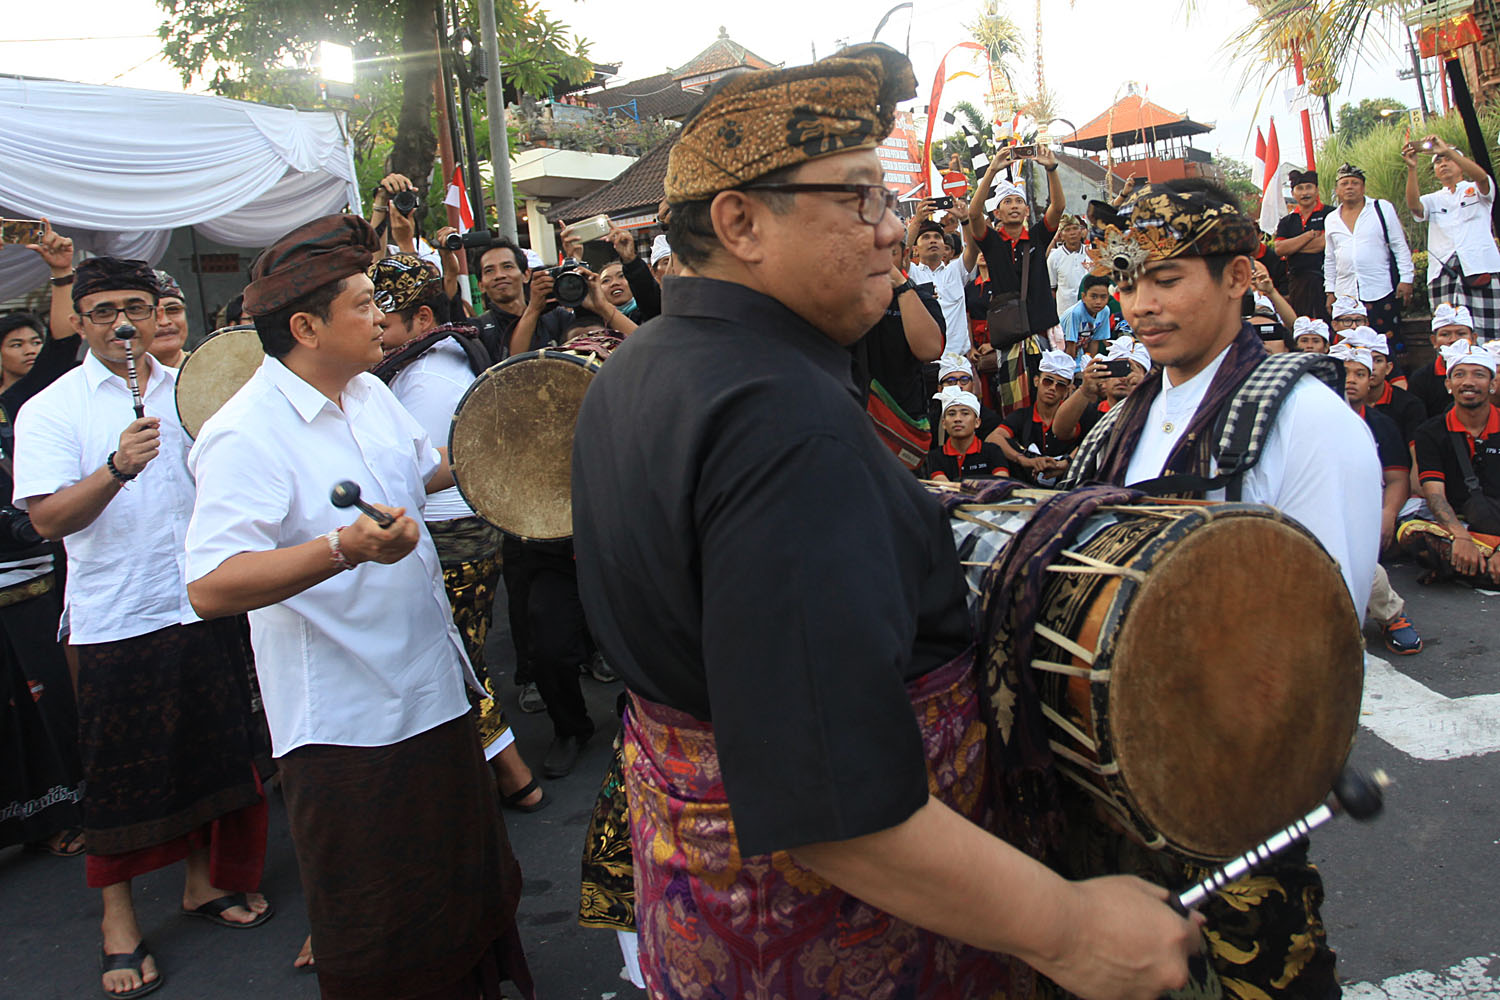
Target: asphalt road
x: 1411, y: 892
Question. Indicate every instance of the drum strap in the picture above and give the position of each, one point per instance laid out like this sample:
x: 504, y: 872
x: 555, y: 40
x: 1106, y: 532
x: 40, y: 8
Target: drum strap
x: 465, y: 336
x: 1242, y: 427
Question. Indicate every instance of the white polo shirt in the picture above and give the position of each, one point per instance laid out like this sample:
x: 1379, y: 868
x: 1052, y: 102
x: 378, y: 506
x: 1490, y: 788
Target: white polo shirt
x: 368, y: 657
x: 948, y: 282
x: 429, y: 388
x: 1357, y: 263
x: 1065, y: 270
x: 1318, y: 467
x: 1458, y: 221
x: 127, y: 570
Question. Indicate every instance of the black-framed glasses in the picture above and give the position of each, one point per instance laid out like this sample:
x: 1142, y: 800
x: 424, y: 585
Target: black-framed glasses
x: 103, y: 315
x: 173, y: 312
x: 958, y: 379
x: 874, y: 199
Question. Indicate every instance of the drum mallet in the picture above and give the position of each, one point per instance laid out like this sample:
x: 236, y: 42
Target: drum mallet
x: 346, y: 494
x: 125, y: 333
x: 1353, y: 793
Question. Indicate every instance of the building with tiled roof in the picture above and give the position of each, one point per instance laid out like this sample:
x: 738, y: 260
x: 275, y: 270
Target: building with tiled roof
x: 1139, y: 138
x: 631, y: 198
x: 659, y: 96
x: 723, y: 55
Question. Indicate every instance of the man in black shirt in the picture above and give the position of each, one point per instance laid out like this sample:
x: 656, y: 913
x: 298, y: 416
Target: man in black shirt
x: 1456, y: 452
x: 775, y: 590
x: 1007, y: 244
x: 1450, y: 324
x: 1386, y: 606
x: 908, y: 336
x: 511, y: 325
x: 963, y: 455
x: 1395, y: 402
x: 1034, y: 445
x: 1299, y: 241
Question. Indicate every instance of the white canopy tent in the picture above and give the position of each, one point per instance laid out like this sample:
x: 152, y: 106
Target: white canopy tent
x: 118, y: 169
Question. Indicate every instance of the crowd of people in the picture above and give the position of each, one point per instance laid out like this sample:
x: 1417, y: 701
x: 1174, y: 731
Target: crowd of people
x: 795, y: 332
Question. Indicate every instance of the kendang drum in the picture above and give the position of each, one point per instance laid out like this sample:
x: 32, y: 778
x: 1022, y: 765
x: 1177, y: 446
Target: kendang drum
x: 216, y: 370
x: 511, y: 442
x: 1199, y: 665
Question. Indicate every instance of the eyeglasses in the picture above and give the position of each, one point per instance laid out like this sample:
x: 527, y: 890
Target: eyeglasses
x: 173, y: 312
x: 103, y: 315
x: 874, y: 199
x: 958, y: 380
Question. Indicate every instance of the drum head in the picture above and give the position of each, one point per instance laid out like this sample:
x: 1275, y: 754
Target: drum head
x: 511, y: 445
x: 214, y: 372
x: 1232, y: 707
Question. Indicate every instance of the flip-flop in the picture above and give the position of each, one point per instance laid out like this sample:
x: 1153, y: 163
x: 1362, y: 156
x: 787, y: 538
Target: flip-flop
x: 213, y: 910
x: 133, y: 962
x: 72, y: 845
x: 513, y: 800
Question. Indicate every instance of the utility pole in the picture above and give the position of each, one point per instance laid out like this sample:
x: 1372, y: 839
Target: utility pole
x: 494, y: 94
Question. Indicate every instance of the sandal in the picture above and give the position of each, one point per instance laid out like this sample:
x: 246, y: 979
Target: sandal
x: 131, y: 961
x: 214, y: 910
x: 71, y: 845
x: 513, y: 800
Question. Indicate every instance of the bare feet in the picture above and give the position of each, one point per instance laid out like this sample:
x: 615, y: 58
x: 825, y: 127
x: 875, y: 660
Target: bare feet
x: 238, y: 914
x: 305, y: 956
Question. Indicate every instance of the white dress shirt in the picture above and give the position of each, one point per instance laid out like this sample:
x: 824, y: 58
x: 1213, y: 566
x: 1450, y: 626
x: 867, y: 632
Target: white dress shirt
x: 1458, y: 221
x: 1358, y: 263
x: 368, y: 657
x: 1065, y: 272
x: 127, y: 570
x: 430, y: 388
x: 1317, y: 467
x: 948, y: 281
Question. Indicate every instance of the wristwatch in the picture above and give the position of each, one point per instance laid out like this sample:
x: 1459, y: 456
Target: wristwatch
x: 61, y: 280
x: 906, y: 286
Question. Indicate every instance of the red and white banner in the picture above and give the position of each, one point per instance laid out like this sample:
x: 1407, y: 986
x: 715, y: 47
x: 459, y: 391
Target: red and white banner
x: 1268, y: 159
x: 457, y: 197
x: 937, y: 95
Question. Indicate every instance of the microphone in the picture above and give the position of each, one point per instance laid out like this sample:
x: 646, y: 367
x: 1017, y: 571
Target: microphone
x: 346, y: 494
x: 126, y: 334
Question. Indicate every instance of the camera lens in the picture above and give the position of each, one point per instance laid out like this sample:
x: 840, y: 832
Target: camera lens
x: 571, y: 289
x: 453, y: 242
x: 405, y: 202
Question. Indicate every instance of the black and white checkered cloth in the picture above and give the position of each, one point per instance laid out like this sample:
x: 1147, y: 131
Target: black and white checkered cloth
x: 1483, y: 303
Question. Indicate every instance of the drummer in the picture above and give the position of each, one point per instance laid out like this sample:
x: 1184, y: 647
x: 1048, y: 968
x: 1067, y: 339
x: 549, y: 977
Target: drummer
x: 430, y: 385
x: 1318, y: 465
x: 777, y: 592
x: 392, y: 811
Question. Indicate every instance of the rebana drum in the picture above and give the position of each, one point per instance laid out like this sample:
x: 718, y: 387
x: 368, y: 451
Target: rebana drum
x: 214, y: 372
x: 1200, y: 665
x: 511, y: 441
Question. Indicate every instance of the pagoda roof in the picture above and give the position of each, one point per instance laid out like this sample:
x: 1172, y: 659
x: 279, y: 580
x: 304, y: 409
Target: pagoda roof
x: 1133, y: 120
x: 723, y: 55
x: 639, y: 186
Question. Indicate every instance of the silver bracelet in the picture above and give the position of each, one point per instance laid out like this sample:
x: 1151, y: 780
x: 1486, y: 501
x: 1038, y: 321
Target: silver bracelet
x: 340, y: 561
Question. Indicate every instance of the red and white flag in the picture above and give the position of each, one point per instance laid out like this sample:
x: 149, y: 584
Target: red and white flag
x: 457, y: 197
x: 1272, y: 203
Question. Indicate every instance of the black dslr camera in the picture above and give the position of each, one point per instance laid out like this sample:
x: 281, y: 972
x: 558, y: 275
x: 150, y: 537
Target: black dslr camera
x: 16, y: 532
x: 569, y: 285
x: 405, y: 202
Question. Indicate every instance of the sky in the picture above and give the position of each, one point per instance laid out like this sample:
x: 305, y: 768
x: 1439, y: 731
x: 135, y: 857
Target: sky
x: 1177, y: 61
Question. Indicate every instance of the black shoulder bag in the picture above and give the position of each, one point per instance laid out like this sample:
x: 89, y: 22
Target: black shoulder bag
x: 1481, y: 513
x: 1009, y: 323
x: 1390, y: 258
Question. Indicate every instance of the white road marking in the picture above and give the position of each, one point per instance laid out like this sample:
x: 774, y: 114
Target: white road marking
x: 1420, y: 722
x: 1468, y: 980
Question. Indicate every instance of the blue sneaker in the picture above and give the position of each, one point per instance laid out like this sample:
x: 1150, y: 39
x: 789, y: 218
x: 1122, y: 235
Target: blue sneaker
x: 1401, y: 637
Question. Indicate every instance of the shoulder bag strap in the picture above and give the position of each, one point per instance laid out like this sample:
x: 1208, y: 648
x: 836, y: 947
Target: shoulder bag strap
x: 1460, y: 443
x: 1390, y: 256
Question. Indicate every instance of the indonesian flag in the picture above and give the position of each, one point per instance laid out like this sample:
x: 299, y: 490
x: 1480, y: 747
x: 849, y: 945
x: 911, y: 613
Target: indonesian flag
x: 1268, y: 156
x: 458, y: 198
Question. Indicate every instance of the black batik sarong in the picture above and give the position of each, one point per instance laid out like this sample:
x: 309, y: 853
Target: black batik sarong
x: 469, y: 552
x: 607, y: 889
x: 165, y: 734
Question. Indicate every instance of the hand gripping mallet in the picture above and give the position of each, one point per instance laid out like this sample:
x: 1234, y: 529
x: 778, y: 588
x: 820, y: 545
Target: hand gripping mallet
x: 346, y: 494
x: 1353, y: 793
x: 125, y: 333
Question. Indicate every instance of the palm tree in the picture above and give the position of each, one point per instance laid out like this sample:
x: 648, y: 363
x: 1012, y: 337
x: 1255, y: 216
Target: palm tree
x: 1001, y: 39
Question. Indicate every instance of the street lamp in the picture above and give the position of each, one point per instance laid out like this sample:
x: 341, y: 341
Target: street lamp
x: 335, y: 69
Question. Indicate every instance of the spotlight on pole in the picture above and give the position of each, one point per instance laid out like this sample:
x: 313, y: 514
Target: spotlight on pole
x: 336, y: 63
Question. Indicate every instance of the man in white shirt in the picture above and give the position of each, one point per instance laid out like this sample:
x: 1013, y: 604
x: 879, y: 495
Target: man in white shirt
x: 429, y: 365
x: 1365, y: 254
x: 1068, y: 263
x: 163, y: 697
x: 925, y: 239
x: 392, y: 809
x: 1318, y: 465
x: 1462, y: 260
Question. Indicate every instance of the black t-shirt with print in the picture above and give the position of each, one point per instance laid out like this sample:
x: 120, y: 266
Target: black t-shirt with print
x: 1437, y: 458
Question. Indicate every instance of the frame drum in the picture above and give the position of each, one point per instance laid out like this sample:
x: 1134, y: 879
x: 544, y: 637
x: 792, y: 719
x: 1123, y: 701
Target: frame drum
x: 215, y: 371
x: 511, y: 442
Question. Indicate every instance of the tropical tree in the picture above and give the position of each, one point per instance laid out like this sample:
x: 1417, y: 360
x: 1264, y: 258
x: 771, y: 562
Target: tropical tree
x: 977, y: 124
x: 1002, y: 42
x: 1357, y: 119
x: 266, y: 50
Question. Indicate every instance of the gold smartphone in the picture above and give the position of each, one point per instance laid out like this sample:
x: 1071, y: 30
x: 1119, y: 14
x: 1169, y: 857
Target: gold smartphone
x: 20, y: 231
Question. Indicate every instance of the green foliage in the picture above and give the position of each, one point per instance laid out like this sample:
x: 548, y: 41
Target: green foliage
x: 1239, y: 180
x: 1356, y: 120
x: 974, y: 120
x: 1378, y: 154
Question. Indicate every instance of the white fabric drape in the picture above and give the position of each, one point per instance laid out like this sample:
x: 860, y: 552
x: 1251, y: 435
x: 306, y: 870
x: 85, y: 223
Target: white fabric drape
x: 117, y: 169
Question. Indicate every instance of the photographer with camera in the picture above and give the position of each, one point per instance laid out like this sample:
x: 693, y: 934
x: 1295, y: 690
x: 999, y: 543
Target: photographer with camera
x: 1462, y: 260
x: 557, y: 294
